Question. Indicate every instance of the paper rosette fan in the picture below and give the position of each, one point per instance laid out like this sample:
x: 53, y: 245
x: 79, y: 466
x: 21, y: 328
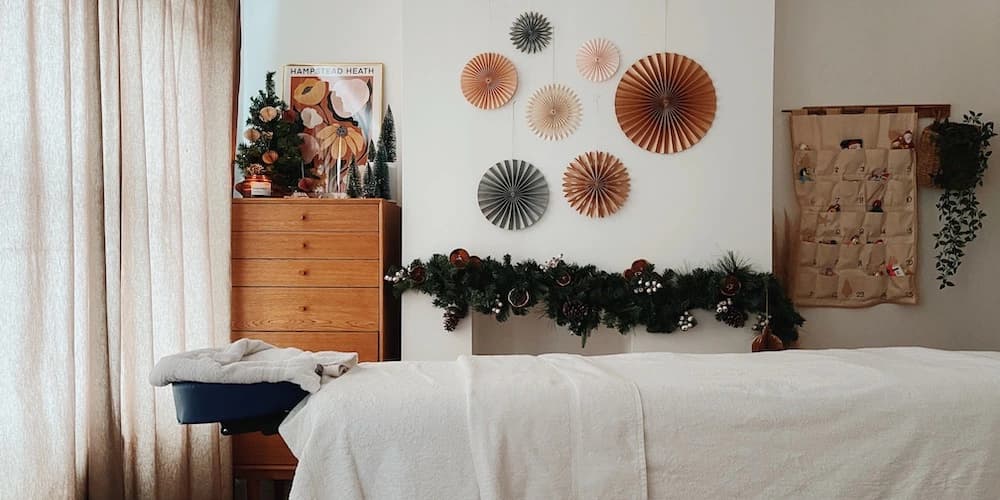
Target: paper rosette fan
x: 489, y: 80
x: 531, y: 32
x: 513, y: 194
x: 665, y: 102
x: 596, y: 184
x: 597, y: 60
x: 554, y: 112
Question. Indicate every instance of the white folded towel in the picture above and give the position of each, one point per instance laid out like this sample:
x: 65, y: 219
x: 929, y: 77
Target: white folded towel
x: 250, y: 361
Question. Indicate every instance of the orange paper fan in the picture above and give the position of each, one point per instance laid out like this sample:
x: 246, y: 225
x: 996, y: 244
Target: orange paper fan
x: 665, y: 102
x: 554, y: 112
x: 489, y: 80
x: 596, y: 184
x: 597, y: 60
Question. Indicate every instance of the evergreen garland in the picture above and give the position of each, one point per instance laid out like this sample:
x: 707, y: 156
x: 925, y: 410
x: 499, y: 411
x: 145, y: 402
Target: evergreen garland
x: 584, y: 297
x: 964, y: 150
x: 272, y: 140
x: 353, y: 180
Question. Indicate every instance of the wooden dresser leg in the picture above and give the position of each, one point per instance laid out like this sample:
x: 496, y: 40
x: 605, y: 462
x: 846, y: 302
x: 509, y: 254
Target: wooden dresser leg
x: 253, y: 488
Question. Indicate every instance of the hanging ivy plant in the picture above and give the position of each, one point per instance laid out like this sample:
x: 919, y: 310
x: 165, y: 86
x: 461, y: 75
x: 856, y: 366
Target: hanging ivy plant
x: 964, y: 151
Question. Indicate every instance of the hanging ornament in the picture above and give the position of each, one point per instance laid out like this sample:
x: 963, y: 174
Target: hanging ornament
x: 513, y: 194
x: 767, y: 341
x: 459, y: 257
x: 597, y: 60
x: 665, y: 103
x: 731, y: 286
x: 554, y: 112
x: 489, y: 80
x: 474, y: 262
x: 687, y: 321
x: 518, y: 297
x: 596, y: 184
x: 531, y: 32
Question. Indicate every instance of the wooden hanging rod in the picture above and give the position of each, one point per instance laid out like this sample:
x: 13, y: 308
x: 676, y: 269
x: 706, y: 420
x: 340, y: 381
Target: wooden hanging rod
x: 937, y: 111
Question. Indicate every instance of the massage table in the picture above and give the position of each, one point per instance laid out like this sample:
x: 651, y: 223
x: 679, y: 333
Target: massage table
x: 867, y: 423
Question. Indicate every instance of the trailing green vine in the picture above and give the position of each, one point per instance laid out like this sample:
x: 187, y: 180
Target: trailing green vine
x: 964, y: 151
x: 583, y: 297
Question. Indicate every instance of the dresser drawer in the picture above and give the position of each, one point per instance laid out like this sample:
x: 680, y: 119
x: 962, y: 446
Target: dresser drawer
x: 306, y: 272
x: 272, y: 245
x: 365, y: 344
x: 306, y: 215
x: 305, y: 309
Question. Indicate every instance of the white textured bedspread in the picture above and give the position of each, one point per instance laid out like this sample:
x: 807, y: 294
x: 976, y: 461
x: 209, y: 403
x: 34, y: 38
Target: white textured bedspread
x: 870, y: 423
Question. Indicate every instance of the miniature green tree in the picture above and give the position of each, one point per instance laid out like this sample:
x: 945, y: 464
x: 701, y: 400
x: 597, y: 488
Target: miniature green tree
x: 272, y: 139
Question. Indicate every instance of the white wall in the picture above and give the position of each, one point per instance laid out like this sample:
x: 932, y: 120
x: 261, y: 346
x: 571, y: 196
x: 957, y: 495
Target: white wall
x: 685, y: 209
x: 893, y: 51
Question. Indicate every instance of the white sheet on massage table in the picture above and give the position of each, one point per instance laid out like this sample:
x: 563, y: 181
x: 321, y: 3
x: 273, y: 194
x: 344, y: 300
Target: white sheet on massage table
x: 870, y: 423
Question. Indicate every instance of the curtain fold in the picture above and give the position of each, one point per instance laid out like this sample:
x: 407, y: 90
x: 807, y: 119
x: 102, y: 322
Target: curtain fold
x: 114, y: 248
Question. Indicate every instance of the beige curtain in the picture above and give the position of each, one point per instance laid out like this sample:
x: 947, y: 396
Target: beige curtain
x: 114, y: 247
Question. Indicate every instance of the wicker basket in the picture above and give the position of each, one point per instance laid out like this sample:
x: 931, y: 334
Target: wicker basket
x: 928, y: 160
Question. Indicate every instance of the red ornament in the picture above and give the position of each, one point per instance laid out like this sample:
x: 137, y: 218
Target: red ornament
x: 289, y: 116
x: 767, y: 341
x: 475, y: 262
x: 459, y: 257
x: 639, y: 266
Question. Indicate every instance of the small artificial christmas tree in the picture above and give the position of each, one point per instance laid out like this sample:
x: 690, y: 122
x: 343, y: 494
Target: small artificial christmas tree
x: 353, y: 180
x: 370, y: 189
x: 272, y: 139
x: 387, y: 136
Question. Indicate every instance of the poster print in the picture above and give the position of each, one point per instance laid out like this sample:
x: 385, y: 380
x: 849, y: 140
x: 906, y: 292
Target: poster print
x: 341, y: 109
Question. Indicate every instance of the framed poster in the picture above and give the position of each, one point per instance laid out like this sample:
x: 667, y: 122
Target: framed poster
x: 340, y: 106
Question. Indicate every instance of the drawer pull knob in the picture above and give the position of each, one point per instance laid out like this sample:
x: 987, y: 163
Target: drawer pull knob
x: 305, y: 244
x: 303, y: 217
x: 304, y: 272
x: 304, y: 308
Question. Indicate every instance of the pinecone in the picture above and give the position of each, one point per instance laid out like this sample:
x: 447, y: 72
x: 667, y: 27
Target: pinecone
x: 574, y: 310
x: 452, y: 315
x: 733, y: 316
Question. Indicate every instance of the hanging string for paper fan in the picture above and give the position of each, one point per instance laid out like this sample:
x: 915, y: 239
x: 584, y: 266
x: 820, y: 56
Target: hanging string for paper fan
x: 596, y: 184
x: 554, y: 112
x: 665, y: 102
x: 489, y: 80
x: 597, y: 60
x: 513, y: 194
x: 531, y: 32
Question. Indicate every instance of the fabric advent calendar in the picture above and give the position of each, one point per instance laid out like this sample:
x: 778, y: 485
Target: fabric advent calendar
x: 855, y: 182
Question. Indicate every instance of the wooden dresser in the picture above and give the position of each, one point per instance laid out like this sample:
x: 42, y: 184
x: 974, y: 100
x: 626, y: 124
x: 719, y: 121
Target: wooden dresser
x: 307, y: 273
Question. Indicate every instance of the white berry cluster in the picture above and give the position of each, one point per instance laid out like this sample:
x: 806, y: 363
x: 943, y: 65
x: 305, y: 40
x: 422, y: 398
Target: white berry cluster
x: 648, y: 287
x: 395, y: 278
x: 723, y: 306
x: 762, y: 321
x: 497, y: 305
x: 686, y: 321
x: 551, y: 263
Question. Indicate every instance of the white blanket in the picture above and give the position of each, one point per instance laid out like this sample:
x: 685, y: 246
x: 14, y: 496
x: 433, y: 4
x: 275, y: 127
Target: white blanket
x: 250, y: 361
x: 871, y: 423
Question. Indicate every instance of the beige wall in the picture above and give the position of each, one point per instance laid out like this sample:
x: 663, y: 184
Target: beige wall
x: 893, y: 51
